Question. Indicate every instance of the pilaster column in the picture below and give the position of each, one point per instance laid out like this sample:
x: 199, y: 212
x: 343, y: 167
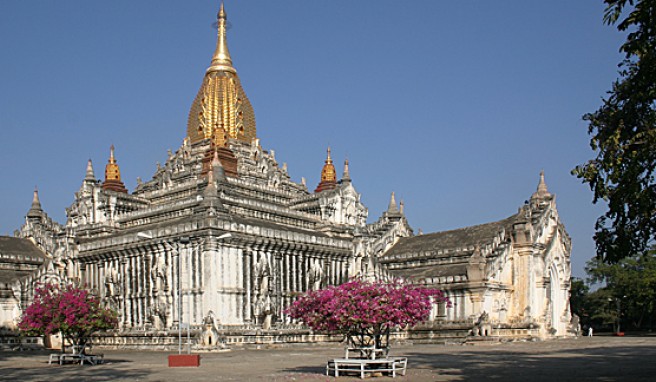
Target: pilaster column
x: 101, y: 279
x: 278, y: 283
x: 125, y: 286
x: 248, y: 266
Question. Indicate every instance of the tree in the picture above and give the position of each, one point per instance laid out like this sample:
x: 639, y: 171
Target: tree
x: 623, y: 134
x: 578, y: 301
x: 74, y: 312
x: 365, y: 312
x: 630, y: 286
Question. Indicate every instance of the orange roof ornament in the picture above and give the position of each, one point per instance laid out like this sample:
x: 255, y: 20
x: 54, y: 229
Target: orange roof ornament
x: 113, y: 175
x: 328, y: 175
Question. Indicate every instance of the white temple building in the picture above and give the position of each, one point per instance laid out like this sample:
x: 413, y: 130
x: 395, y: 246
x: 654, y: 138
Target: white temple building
x: 221, y: 231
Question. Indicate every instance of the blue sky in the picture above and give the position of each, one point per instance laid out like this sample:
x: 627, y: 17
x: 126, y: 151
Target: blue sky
x: 455, y: 106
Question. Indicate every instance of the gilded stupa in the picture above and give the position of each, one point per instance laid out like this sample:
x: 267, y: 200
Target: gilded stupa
x: 221, y: 110
x: 329, y: 175
x: 113, y: 180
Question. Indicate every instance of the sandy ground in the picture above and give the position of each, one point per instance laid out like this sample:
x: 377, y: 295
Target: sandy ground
x: 582, y: 359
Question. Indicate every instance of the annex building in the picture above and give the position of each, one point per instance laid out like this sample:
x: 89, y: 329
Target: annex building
x: 222, y: 233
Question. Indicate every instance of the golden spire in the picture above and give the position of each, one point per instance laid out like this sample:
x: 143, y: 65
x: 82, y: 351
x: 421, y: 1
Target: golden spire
x: 328, y: 175
x: 221, y: 60
x: 113, y: 174
x: 221, y: 110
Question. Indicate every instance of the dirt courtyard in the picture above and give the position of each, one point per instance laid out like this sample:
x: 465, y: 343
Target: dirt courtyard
x: 583, y: 359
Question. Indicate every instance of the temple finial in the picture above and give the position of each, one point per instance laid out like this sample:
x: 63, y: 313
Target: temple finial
x: 328, y: 175
x: 221, y: 60
x: 346, y: 176
x: 35, y: 210
x: 542, y: 191
x: 392, y: 208
x: 542, y: 186
x: 36, y: 203
x: 90, y: 175
x: 113, y: 174
x: 329, y: 159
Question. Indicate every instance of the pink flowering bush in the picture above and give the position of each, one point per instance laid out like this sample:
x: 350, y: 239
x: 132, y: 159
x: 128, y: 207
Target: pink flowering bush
x: 74, y: 312
x: 365, y: 312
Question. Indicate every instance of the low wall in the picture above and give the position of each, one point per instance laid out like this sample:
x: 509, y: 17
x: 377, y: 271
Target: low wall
x: 163, y: 340
x: 10, y: 340
x: 433, y: 332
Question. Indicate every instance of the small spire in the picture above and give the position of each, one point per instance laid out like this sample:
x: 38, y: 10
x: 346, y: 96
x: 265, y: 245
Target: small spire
x: 112, y: 160
x: 401, y: 205
x: 392, y: 208
x: 211, y: 193
x: 210, y: 179
x: 217, y: 168
x: 90, y: 175
x: 542, y: 191
x: 35, y: 210
x: 542, y: 186
x: 329, y: 160
x: 36, y: 203
x: 215, y: 159
x: 221, y: 60
x: 346, y: 176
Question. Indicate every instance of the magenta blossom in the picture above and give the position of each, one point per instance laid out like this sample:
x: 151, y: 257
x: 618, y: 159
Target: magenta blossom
x: 74, y: 312
x: 366, y: 311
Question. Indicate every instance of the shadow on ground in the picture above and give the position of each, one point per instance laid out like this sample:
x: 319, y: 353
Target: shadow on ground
x: 537, y: 363
x: 608, y: 364
x: 14, y: 369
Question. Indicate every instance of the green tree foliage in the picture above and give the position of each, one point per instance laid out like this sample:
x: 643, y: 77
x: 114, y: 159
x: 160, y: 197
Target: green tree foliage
x: 578, y: 298
x: 593, y: 308
x: 631, y: 283
x: 623, y: 135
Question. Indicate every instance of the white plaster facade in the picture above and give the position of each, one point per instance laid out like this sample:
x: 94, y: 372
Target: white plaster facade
x: 284, y: 240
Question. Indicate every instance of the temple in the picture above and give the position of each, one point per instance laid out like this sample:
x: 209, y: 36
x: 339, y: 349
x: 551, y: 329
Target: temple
x: 221, y: 231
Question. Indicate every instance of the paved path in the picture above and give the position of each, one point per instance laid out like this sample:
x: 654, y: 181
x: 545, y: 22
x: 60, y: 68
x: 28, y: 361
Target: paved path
x: 583, y: 359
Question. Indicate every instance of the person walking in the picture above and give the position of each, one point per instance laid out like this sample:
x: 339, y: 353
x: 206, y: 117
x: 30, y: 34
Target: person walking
x: 590, y: 331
